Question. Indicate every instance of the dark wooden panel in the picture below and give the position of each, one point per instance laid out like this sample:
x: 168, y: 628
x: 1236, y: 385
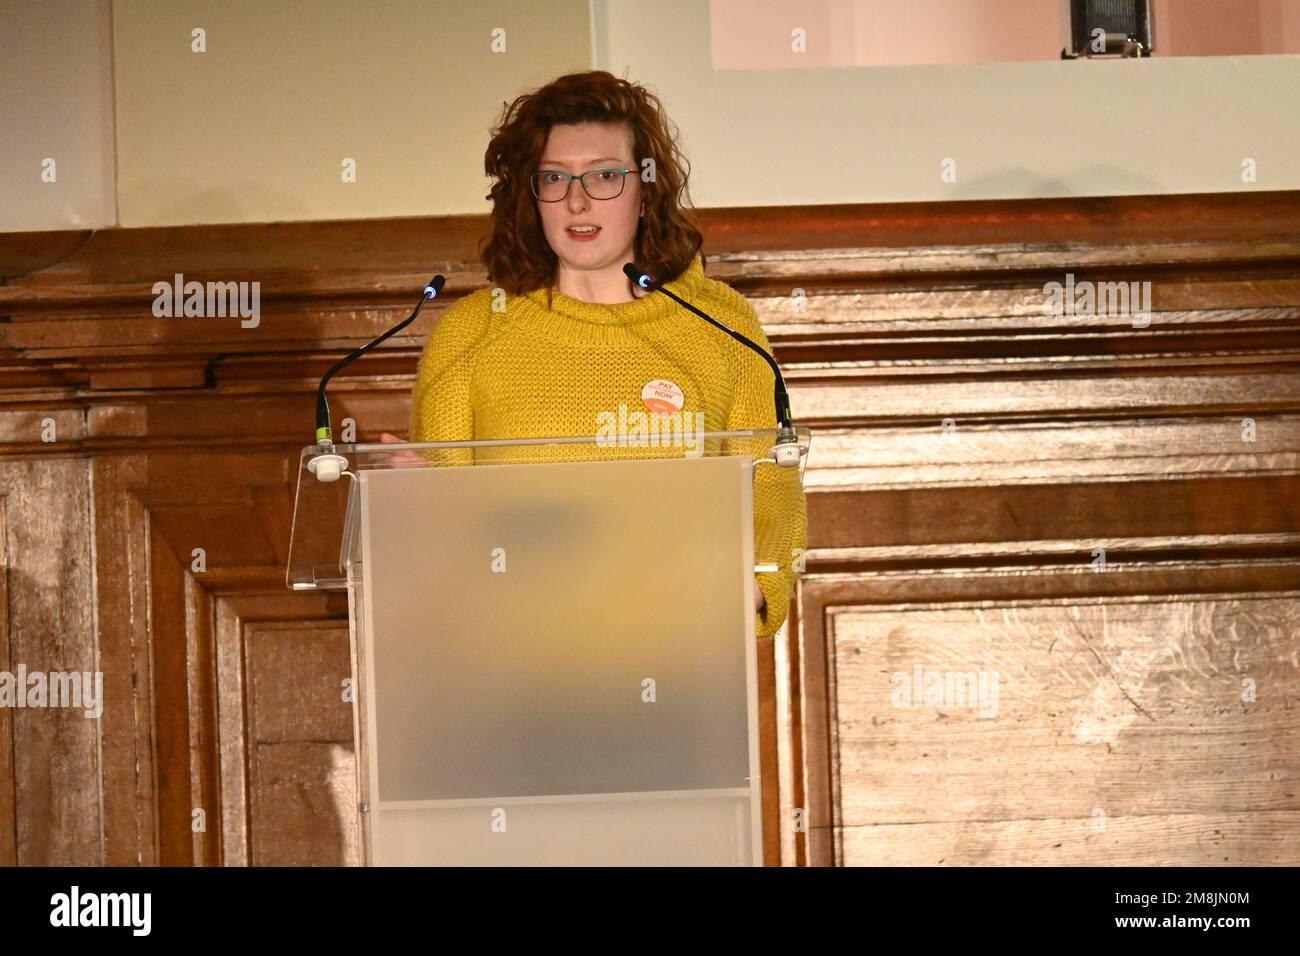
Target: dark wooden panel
x: 54, y: 778
x: 8, y: 781
x: 1020, y: 512
x: 129, y: 764
x: 253, y: 612
x: 971, y: 453
x: 302, y: 787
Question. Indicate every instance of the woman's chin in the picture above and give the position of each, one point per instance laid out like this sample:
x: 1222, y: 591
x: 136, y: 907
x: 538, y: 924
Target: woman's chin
x: 589, y: 260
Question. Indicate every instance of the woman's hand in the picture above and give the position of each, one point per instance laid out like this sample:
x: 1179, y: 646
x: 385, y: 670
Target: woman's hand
x: 759, y: 600
x: 398, y: 459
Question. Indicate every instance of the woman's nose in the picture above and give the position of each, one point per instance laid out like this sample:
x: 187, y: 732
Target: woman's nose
x: 578, y: 198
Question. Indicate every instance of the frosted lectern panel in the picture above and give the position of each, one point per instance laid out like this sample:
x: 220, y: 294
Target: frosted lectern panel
x: 556, y: 663
x: 319, y: 539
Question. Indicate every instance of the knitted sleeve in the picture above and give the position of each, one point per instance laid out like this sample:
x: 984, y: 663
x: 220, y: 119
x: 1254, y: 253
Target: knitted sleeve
x: 441, y: 405
x: 780, y: 510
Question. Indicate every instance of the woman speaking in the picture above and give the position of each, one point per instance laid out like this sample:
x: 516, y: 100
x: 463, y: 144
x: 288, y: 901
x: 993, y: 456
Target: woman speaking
x: 586, y: 178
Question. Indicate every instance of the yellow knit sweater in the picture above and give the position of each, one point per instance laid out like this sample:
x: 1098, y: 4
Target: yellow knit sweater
x: 500, y: 366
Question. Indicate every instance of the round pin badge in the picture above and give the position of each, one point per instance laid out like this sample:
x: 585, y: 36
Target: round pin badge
x: 662, y: 397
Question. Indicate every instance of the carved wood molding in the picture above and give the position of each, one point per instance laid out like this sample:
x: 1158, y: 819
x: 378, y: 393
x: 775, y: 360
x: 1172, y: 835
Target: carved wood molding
x: 967, y: 447
x: 216, y: 556
x: 896, y: 290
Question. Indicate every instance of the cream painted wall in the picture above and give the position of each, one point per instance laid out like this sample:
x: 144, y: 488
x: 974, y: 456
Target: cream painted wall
x: 257, y: 127
x: 1014, y: 130
x: 56, y: 103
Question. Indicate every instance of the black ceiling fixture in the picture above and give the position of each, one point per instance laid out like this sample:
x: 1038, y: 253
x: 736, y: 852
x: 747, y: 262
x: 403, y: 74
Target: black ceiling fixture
x: 1110, y: 28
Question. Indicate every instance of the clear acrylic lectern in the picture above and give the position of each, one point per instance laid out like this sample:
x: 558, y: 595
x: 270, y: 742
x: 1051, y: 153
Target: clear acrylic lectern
x: 553, y: 651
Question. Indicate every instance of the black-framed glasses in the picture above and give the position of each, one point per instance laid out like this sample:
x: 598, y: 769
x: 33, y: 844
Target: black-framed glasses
x: 552, y: 185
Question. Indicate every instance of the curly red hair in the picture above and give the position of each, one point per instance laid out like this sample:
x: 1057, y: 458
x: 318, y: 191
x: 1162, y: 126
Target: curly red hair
x: 517, y: 256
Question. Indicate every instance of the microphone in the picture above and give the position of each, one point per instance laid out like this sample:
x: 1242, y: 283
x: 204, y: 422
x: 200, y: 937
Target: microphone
x: 786, y: 452
x: 327, y: 465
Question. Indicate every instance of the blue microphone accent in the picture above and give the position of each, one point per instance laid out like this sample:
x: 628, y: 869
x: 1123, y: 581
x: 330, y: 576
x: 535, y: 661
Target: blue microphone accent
x: 434, y: 287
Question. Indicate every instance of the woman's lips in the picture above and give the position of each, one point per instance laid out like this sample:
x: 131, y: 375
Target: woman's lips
x: 583, y: 237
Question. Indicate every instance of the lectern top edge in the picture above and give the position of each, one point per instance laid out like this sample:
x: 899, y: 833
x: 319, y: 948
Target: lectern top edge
x: 322, y: 500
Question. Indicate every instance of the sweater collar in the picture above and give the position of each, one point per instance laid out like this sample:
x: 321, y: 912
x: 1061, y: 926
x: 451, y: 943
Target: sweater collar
x: 645, y: 309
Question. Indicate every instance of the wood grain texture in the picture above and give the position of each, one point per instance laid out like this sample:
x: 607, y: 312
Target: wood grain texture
x: 971, y: 453
x: 252, y: 607
x: 9, y: 781
x: 55, y: 750
x: 1094, y: 712
x: 1133, y: 701
x: 302, y: 787
x: 127, y: 738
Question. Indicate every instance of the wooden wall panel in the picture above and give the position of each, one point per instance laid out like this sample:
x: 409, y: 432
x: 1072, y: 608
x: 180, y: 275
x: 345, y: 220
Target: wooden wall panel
x: 302, y: 790
x: 254, y: 613
x: 9, y: 782
x: 970, y: 723
x: 971, y: 453
x: 128, y: 786
x: 55, y: 750
x: 1101, y: 677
